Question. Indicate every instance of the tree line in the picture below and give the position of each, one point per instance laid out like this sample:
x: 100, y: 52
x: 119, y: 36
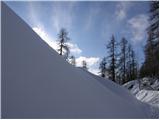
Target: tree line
x: 121, y: 65
x: 150, y: 66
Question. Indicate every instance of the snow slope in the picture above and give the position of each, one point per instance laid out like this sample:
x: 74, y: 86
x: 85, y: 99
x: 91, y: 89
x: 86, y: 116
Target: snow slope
x: 150, y: 97
x: 39, y: 83
x: 143, y: 94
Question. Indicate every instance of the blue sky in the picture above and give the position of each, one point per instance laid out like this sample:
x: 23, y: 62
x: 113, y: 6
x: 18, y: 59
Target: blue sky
x: 90, y: 25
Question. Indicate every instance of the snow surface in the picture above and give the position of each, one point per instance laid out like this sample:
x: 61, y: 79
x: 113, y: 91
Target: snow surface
x: 151, y: 97
x: 39, y: 83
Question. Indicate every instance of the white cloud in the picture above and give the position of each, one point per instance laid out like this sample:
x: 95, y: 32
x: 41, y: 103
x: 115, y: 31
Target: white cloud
x: 74, y: 48
x: 138, y: 25
x: 92, y: 63
x: 121, y: 9
x: 90, y: 60
x: 51, y: 41
x: 61, y: 17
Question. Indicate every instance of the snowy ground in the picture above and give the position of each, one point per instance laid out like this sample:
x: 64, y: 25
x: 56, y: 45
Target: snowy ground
x: 148, y: 95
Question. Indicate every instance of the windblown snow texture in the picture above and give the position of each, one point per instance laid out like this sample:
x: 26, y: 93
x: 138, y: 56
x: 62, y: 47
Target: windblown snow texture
x: 39, y: 83
x: 148, y: 95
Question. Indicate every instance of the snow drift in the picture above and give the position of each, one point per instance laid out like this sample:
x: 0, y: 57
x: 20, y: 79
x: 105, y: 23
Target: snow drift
x: 148, y: 95
x: 39, y: 83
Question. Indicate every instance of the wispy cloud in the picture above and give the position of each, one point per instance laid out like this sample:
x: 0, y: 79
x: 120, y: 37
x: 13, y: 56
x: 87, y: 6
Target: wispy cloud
x: 91, y: 16
x: 138, y: 25
x: 62, y: 15
x: 122, y: 9
x: 33, y: 15
x: 51, y: 41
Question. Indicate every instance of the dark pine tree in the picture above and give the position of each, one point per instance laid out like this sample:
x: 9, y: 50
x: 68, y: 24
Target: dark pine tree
x: 150, y: 66
x: 111, y: 59
x: 67, y: 52
x: 102, y: 67
x: 73, y: 60
x: 122, y: 62
x: 84, y: 65
x: 131, y: 69
x: 63, y: 38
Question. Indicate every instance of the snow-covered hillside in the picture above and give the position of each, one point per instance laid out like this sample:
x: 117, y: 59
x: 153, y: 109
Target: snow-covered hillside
x: 149, y: 95
x: 144, y: 94
x: 39, y: 83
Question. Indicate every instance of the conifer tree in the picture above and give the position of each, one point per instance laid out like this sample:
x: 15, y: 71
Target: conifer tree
x: 102, y: 67
x: 62, y: 43
x: 73, y: 60
x: 122, y: 62
x: 111, y: 59
x: 150, y: 66
x: 131, y: 64
x: 84, y: 65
